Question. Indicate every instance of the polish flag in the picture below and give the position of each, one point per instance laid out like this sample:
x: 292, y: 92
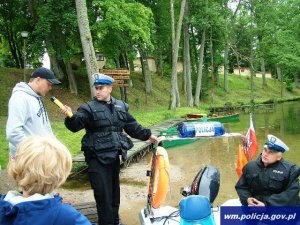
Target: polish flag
x: 248, y: 150
x: 252, y: 145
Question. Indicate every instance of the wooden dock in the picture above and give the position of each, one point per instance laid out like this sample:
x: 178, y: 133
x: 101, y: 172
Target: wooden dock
x: 268, y: 107
x: 140, y: 148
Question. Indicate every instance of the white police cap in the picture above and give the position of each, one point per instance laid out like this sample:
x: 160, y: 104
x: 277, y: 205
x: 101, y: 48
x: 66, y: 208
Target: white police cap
x: 274, y: 143
x: 102, y: 79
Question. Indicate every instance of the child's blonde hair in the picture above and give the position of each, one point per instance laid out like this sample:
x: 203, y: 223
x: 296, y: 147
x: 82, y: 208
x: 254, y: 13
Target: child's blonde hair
x: 41, y: 164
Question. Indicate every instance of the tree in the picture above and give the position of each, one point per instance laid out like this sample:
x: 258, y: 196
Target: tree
x: 125, y: 28
x: 200, y: 24
x: 11, y: 24
x: 175, y: 100
x: 229, y: 24
x: 87, y: 42
x: 187, y: 59
x: 54, y: 33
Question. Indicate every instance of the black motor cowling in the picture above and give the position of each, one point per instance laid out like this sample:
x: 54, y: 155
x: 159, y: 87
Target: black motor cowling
x: 205, y: 183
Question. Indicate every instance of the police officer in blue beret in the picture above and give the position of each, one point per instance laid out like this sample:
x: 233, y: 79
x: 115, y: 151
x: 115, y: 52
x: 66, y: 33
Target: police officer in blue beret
x: 270, y: 180
x: 104, y: 119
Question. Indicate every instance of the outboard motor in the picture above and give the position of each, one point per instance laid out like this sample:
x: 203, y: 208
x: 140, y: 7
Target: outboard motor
x: 205, y: 183
x: 195, y: 209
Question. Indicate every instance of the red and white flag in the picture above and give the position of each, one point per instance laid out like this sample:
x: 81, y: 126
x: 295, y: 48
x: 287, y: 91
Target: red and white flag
x: 248, y: 150
x: 252, y: 145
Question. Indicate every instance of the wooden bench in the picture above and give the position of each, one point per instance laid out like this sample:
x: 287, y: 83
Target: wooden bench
x: 88, y: 209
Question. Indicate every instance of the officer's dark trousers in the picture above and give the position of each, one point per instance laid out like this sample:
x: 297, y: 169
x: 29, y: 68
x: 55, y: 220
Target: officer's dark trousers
x: 106, y: 185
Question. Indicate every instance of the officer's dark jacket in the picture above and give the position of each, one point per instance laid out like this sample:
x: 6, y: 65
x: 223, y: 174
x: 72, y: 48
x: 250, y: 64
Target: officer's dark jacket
x: 274, y: 185
x: 104, y: 123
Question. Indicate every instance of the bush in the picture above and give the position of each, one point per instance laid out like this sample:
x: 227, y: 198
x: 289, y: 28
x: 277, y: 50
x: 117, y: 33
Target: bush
x: 289, y: 85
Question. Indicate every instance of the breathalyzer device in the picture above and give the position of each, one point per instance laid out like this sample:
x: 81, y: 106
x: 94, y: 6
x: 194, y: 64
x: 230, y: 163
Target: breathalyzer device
x: 60, y: 105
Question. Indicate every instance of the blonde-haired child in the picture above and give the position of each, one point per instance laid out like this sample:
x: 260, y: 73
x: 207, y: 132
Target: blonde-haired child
x: 41, y: 164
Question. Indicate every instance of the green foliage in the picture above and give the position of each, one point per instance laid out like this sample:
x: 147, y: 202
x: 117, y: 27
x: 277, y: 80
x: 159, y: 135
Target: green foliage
x: 289, y: 85
x: 6, y: 59
x: 123, y: 26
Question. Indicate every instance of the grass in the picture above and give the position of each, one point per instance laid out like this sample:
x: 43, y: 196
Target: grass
x: 147, y: 109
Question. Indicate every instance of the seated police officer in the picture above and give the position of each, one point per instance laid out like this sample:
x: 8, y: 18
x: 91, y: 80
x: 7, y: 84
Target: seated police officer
x: 104, y: 119
x: 270, y: 180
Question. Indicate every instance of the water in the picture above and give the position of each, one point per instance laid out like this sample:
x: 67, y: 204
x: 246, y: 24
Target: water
x: 222, y: 152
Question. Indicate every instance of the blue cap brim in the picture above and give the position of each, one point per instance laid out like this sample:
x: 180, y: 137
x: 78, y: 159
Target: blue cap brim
x: 274, y: 147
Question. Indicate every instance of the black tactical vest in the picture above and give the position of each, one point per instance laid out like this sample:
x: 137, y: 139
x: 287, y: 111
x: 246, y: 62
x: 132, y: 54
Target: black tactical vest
x: 104, y: 130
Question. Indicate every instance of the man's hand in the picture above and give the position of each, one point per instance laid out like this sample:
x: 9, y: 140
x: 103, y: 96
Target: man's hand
x: 254, y: 202
x: 153, y: 139
x: 66, y: 110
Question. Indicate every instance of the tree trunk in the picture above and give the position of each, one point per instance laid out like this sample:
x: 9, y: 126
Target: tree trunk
x: 146, y: 72
x: 122, y: 92
x: 59, y: 73
x: 238, y: 61
x: 175, y: 100
x: 263, y: 71
x: 226, y: 50
x: 71, y: 78
x: 87, y: 42
x: 14, y: 50
x: 57, y: 45
x: 296, y: 79
x: 251, y: 60
x: 159, y: 64
x: 212, y: 67
x: 183, y: 83
x: 280, y: 78
x: 216, y: 73
x: 117, y: 62
x: 194, y: 50
x: 187, y: 59
x: 252, y: 72
x: 200, y: 70
x: 131, y: 65
x: 123, y: 61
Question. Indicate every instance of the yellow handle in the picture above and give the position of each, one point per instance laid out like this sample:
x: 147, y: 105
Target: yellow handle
x: 60, y: 105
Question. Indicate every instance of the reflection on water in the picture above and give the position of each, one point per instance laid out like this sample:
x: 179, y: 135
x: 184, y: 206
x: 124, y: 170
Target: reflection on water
x: 222, y: 152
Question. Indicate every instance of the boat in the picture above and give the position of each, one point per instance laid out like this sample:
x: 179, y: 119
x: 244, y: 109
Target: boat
x: 169, y: 143
x: 195, y: 116
x: 223, y: 119
x: 171, y: 137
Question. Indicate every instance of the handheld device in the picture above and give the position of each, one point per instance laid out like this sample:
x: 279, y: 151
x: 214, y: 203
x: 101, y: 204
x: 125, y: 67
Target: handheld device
x: 60, y: 105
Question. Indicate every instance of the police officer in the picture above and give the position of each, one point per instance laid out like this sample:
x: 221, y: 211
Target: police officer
x: 270, y: 180
x: 104, y: 119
